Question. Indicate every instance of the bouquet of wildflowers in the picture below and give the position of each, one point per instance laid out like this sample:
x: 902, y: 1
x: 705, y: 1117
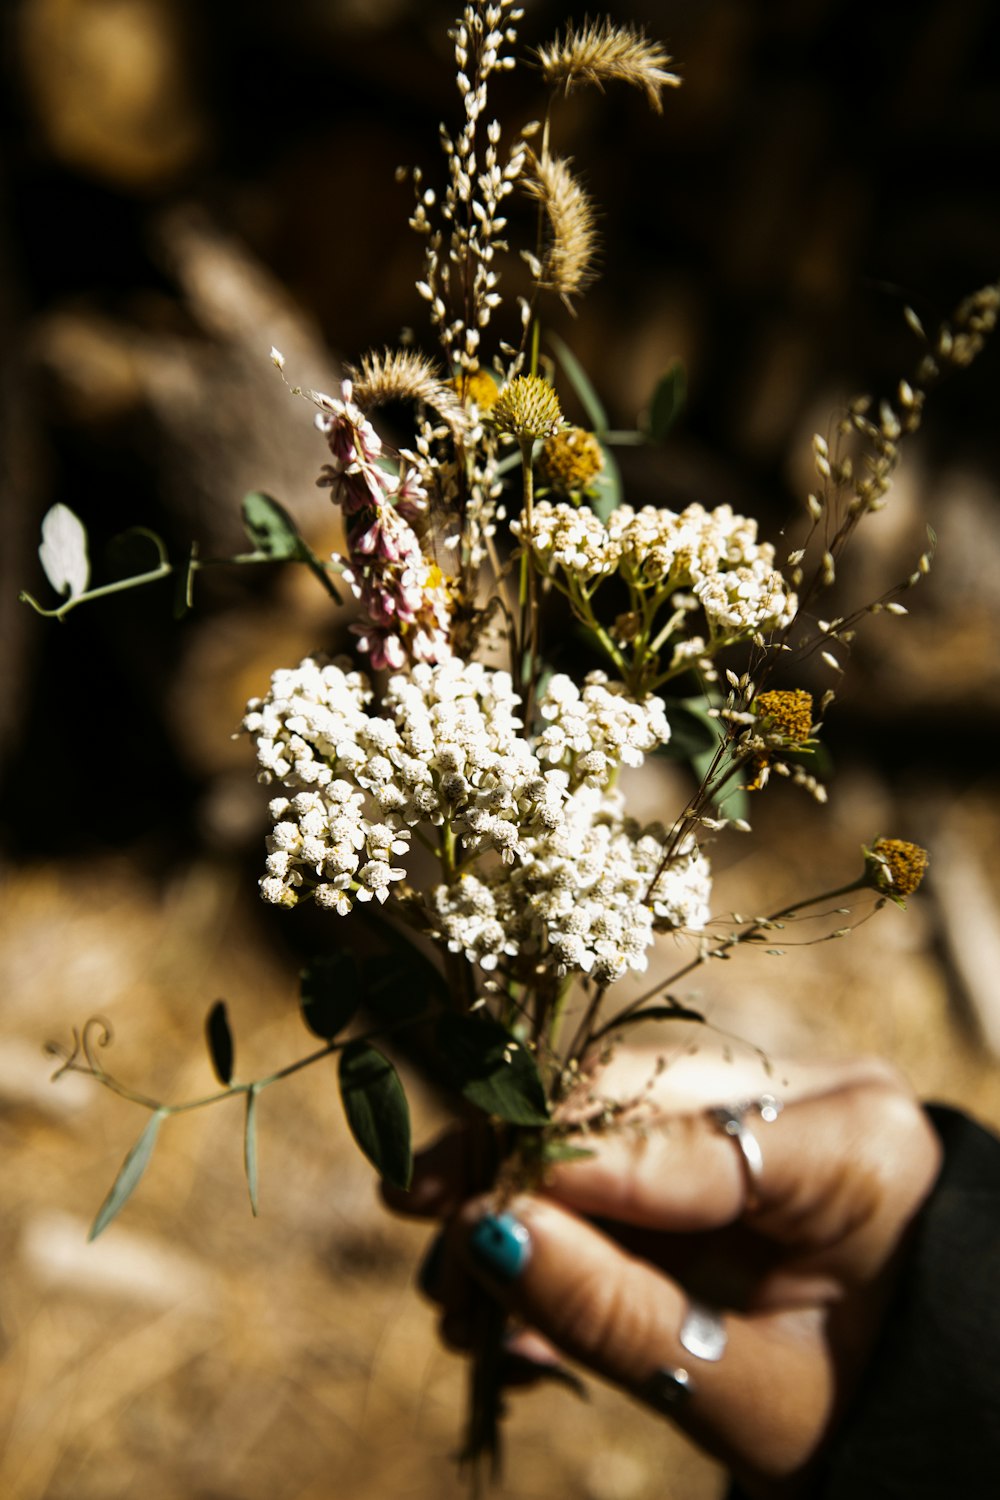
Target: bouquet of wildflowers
x: 455, y: 773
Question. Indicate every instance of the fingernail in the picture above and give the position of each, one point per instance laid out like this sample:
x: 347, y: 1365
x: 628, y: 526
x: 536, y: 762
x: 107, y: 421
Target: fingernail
x: 501, y: 1245
x: 429, y: 1274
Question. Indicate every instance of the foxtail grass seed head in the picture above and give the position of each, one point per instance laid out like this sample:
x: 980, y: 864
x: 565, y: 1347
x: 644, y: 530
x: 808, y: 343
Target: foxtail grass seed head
x: 570, y: 461
x: 527, y: 407
x: 894, y: 867
x: 602, y: 52
x: 568, y: 266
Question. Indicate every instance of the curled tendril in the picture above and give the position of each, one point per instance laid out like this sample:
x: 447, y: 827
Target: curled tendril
x: 105, y: 1036
x: 84, y: 1043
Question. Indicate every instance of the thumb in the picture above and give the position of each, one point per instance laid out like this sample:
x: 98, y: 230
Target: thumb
x: 761, y: 1407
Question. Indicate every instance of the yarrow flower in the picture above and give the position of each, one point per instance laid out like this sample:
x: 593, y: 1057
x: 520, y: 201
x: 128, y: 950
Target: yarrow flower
x: 540, y: 839
x: 584, y: 897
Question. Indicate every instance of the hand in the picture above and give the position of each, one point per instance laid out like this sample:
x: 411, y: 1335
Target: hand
x: 601, y: 1263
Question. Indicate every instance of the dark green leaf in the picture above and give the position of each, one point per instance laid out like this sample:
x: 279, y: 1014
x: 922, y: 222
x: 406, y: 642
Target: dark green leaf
x: 220, y: 1042
x: 608, y: 486
x: 580, y: 381
x: 377, y: 1112
x: 692, y: 732
x: 250, y: 1146
x: 270, y: 527
x: 667, y: 402
x: 402, y: 984
x: 275, y: 535
x: 492, y: 1069
x: 330, y: 993
x: 671, y: 1012
x: 128, y: 1177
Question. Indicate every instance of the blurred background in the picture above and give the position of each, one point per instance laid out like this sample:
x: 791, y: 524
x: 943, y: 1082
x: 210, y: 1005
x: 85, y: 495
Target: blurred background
x: 184, y: 185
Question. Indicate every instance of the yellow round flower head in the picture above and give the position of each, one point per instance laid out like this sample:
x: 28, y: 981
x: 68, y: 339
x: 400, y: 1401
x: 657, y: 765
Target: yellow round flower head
x: 570, y: 460
x: 527, y: 407
x: 895, y: 867
x: 477, y: 389
x: 788, y: 713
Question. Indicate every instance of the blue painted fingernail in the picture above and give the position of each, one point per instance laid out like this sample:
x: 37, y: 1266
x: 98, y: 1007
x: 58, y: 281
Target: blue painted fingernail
x: 501, y: 1245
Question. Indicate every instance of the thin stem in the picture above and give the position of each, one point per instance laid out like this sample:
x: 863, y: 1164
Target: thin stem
x: 236, y: 1089
x: 754, y: 929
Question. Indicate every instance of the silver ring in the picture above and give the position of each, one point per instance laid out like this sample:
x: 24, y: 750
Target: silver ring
x: 670, y: 1388
x: 703, y: 1333
x: 731, y: 1120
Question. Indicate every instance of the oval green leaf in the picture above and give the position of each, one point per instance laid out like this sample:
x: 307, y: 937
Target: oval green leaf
x: 402, y: 985
x: 667, y: 402
x: 220, y: 1042
x: 492, y: 1069
x: 377, y: 1112
x: 330, y: 992
x: 607, y: 486
x: 128, y: 1177
x: 692, y: 732
x: 270, y: 527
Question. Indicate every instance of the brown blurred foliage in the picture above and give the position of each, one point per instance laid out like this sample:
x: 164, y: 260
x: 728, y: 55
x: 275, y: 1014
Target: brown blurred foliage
x: 184, y: 185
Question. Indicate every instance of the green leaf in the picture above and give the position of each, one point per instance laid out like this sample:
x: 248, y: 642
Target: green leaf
x: 128, y: 1177
x: 492, y: 1069
x: 607, y: 486
x: 559, y: 1151
x: 220, y: 1042
x: 580, y: 381
x: 402, y: 985
x: 376, y: 1110
x: 693, y: 732
x: 250, y: 1146
x: 667, y: 402
x: 733, y: 800
x: 274, y: 533
x: 63, y: 551
x: 270, y: 527
x: 330, y: 992
x: 672, y: 1012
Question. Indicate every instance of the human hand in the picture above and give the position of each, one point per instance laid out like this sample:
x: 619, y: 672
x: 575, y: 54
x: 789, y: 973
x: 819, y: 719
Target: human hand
x: 603, y: 1262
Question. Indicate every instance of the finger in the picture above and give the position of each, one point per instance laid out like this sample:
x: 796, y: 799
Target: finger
x: 765, y: 1402
x: 833, y: 1166
x: 679, y: 1079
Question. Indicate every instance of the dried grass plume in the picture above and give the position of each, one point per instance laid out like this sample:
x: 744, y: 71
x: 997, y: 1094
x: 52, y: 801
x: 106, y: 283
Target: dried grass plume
x: 601, y: 52
x: 570, y: 253
x: 405, y: 375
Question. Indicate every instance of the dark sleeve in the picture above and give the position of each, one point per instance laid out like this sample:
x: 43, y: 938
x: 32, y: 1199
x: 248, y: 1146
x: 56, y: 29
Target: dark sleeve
x: 926, y: 1420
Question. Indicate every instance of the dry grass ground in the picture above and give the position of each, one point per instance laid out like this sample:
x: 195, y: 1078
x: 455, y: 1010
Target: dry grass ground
x: 196, y: 1352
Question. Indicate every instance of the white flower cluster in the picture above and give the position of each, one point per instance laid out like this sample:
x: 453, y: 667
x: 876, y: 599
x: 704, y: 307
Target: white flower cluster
x: 570, y: 537
x: 713, y: 553
x: 568, y: 880
x: 581, y: 899
x: 593, y: 732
